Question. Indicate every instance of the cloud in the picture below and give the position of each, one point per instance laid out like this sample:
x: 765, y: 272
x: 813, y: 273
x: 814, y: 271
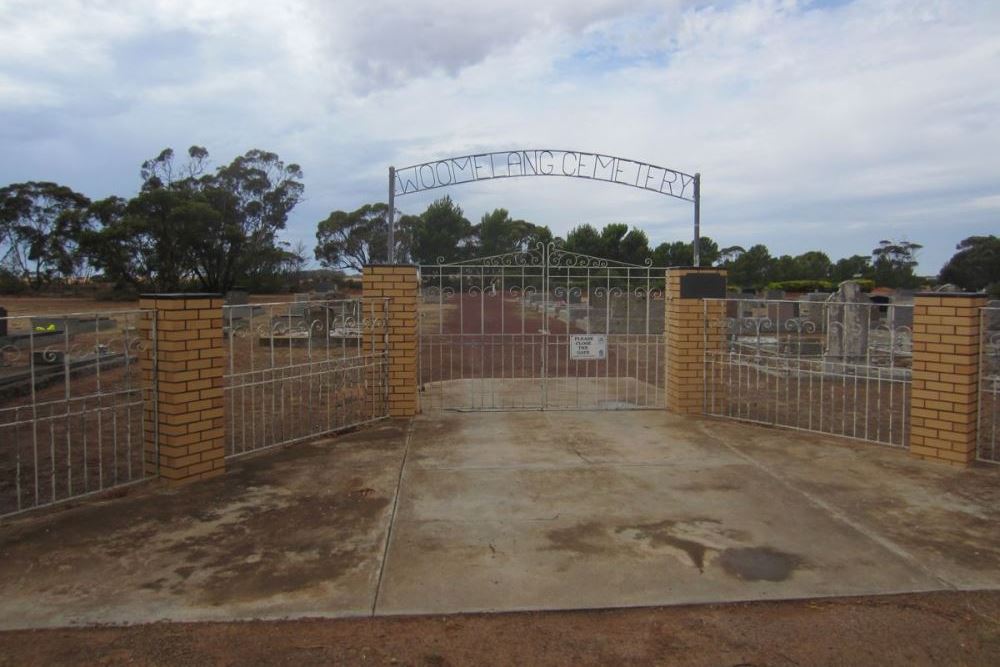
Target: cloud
x: 806, y: 119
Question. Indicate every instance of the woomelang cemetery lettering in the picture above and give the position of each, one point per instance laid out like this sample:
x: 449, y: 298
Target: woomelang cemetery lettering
x: 508, y: 164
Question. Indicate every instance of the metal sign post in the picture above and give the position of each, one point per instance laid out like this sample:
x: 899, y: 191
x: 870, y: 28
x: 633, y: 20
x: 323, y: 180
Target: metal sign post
x: 697, y: 220
x: 391, y: 217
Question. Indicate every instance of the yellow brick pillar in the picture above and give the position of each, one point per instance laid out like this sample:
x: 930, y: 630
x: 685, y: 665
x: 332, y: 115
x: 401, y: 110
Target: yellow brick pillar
x: 398, y: 283
x: 182, y: 367
x: 943, y: 400
x: 688, y: 332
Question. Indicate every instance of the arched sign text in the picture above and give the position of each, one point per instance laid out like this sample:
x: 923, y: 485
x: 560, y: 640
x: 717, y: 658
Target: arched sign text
x: 544, y: 162
x: 511, y: 164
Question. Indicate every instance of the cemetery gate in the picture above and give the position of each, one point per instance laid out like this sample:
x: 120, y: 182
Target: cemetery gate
x: 541, y: 329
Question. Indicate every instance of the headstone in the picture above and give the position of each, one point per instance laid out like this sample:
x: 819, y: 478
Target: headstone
x: 993, y: 315
x: 900, y: 316
x: 812, y: 309
x: 848, y: 322
x: 318, y: 319
x: 237, y: 297
x: 785, y: 310
x: 298, y: 307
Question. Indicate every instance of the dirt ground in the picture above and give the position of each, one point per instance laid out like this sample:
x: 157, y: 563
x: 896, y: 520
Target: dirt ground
x: 927, y: 629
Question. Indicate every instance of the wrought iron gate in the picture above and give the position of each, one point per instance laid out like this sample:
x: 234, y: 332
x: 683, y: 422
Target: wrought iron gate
x: 542, y: 329
x: 298, y: 370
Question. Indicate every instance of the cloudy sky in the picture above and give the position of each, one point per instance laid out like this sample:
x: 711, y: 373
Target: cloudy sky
x: 825, y: 124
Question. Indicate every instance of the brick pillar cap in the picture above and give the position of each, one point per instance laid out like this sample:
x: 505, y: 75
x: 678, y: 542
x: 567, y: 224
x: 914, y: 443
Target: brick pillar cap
x: 964, y: 295
x: 398, y: 266
x: 181, y: 295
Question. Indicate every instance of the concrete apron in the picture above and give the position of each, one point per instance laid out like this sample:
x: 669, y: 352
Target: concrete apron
x: 502, y: 511
x: 568, y: 510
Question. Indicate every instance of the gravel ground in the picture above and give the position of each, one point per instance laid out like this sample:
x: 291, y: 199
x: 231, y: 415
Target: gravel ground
x: 926, y: 629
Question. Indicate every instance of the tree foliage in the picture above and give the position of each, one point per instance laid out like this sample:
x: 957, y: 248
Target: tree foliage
x: 217, y: 228
x: 848, y: 268
x: 192, y: 225
x: 894, y: 262
x: 353, y: 240
x: 751, y: 268
x: 442, y: 233
x: 40, y: 227
x: 585, y: 240
x: 976, y: 265
x: 679, y: 253
x: 497, y: 233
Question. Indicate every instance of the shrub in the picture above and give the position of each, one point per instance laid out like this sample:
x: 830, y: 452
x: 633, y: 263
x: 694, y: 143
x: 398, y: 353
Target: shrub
x: 817, y: 285
x: 803, y: 286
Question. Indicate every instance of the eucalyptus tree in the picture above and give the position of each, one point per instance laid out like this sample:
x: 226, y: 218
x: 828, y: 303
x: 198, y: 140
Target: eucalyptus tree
x: 893, y: 263
x: 40, y: 225
x: 351, y: 240
x: 187, y: 223
x: 976, y: 265
x: 442, y: 232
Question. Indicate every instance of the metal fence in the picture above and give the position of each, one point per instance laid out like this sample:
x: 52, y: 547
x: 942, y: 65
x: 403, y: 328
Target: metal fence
x: 841, y: 368
x: 988, y: 443
x: 297, y: 370
x: 71, y: 406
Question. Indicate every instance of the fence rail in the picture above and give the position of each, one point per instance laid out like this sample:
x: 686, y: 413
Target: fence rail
x: 822, y: 366
x: 988, y: 443
x: 71, y: 406
x: 302, y: 369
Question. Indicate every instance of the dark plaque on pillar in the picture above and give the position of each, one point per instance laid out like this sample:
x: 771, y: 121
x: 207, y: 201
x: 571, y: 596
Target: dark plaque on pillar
x: 703, y: 286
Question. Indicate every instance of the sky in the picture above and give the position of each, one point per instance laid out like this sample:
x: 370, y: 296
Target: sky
x: 823, y: 125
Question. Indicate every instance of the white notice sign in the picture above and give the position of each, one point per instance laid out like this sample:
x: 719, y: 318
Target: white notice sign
x: 588, y: 347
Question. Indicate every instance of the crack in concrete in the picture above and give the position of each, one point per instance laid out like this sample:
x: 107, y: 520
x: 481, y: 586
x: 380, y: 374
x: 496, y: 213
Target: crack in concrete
x: 392, y: 516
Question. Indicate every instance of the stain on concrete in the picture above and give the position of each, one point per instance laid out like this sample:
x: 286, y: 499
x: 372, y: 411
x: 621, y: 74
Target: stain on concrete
x: 692, y: 540
x: 289, y: 547
x: 583, y: 538
x: 723, y: 478
x: 758, y: 563
x: 302, y: 530
x: 661, y: 534
x: 155, y: 585
x: 301, y: 521
x: 439, y: 432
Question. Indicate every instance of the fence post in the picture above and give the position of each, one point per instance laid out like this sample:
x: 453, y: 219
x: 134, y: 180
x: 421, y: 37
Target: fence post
x: 945, y: 376
x: 686, y: 334
x: 184, y: 360
x: 398, y: 282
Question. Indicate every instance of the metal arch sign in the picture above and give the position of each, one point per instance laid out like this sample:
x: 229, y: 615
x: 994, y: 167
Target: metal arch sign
x: 544, y: 162
x: 534, y: 162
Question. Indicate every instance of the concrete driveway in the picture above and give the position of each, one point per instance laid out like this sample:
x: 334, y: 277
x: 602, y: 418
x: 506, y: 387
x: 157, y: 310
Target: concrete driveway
x: 501, y: 511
